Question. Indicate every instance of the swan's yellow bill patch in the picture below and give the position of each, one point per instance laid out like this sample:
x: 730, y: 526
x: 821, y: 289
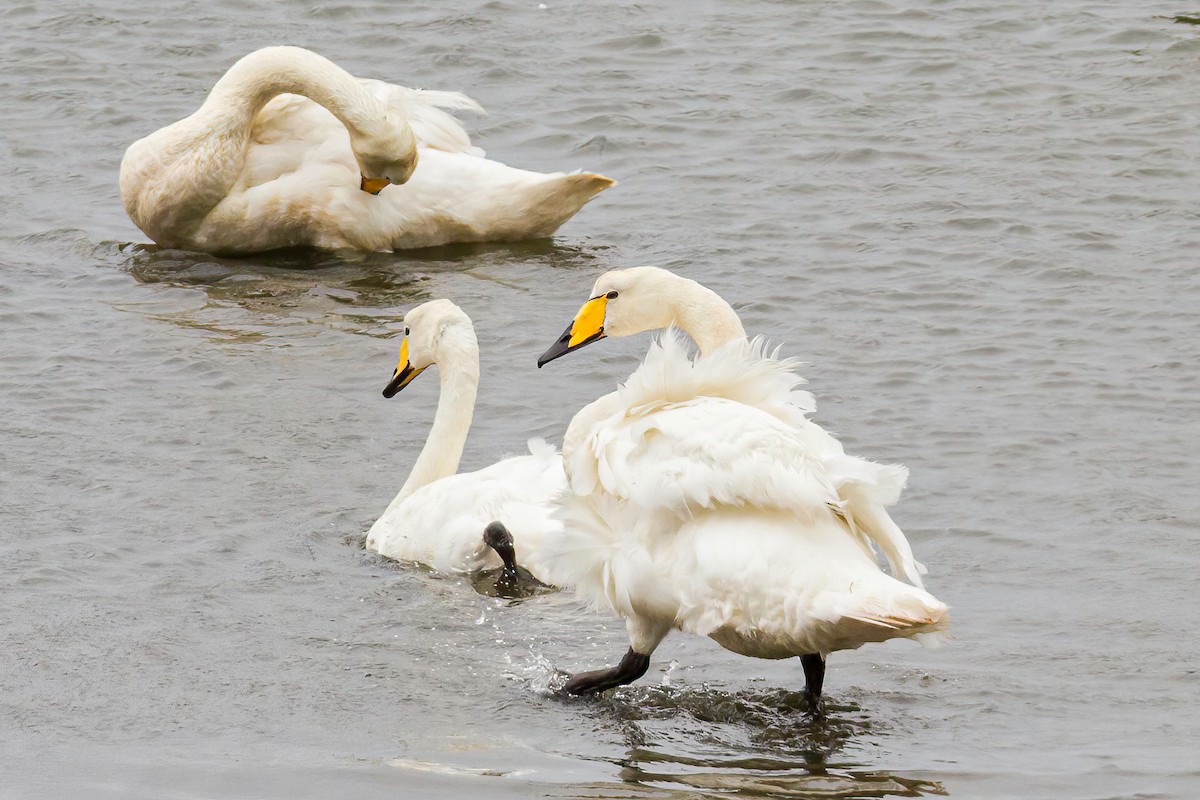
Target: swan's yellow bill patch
x: 587, y: 327
x: 403, y: 356
x: 589, y: 321
x: 404, y: 373
x: 373, y: 185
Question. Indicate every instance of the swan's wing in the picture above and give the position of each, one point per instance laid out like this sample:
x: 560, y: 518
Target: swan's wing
x: 683, y: 434
x: 744, y: 371
x: 292, y: 135
x: 289, y: 117
x: 867, y: 489
x: 703, y: 453
x: 458, y: 197
x: 442, y: 524
x: 747, y: 373
x: 423, y: 108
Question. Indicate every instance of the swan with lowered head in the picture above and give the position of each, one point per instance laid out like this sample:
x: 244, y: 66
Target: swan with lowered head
x: 458, y: 522
x: 705, y: 500
x: 291, y: 150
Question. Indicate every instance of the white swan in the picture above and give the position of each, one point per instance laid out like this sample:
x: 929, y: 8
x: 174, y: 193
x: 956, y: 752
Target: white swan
x: 653, y: 298
x: 291, y: 150
x: 705, y: 500
x: 439, y: 517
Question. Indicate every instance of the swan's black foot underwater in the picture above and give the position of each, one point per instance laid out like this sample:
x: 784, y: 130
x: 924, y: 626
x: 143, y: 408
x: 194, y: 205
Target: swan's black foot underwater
x: 814, y: 679
x: 632, y: 667
x: 511, y: 581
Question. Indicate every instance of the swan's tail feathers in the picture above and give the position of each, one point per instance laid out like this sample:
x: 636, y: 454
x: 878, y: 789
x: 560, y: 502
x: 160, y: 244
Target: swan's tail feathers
x: 589, y: 183
x: 551, y: 201
x: 897, y: 622
x: 928, y: 630
x: 877, y: 611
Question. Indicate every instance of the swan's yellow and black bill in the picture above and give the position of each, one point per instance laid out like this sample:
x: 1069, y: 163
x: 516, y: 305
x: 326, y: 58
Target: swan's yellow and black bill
x: 587, y: 327
x: 404, y: 373
x: 373, y: 185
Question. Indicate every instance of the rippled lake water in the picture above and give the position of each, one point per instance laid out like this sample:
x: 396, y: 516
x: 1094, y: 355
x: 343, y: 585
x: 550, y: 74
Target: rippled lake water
x: 978, y: 223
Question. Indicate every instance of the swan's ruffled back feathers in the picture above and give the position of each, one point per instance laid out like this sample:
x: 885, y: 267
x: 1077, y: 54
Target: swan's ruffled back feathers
x: 720, y: 465
x: 747, y: 372
x: 698, y: 434
x: 423, y: 109
x: 742, y: 371
x: 704, y: 499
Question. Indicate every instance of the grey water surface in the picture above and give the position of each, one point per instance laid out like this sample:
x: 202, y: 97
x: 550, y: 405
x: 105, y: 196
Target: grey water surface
x: 979, y: 224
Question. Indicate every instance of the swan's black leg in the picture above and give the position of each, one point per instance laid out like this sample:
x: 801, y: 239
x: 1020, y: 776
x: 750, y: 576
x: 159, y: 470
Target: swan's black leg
x: 497, y: 537
x: 814, y: 679
x: 632, y: 667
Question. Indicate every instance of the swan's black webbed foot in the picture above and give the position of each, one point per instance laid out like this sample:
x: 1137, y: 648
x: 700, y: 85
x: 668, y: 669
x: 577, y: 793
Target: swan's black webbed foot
x: 814, y: 679
x: 632, y: 667
x: 511, y: 581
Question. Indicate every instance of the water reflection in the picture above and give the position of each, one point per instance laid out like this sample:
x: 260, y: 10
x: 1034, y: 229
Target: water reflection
x: 353, y: 291
x: 800, y: 781
x: 497, y: 583
x: 688, y: 743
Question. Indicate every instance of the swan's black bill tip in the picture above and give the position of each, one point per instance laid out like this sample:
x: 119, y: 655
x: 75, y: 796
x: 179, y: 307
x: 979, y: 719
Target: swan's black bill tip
x: 400, y: 379
x: 564, y: 346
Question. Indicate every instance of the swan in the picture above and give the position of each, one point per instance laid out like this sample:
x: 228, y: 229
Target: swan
x: 654, y: 298
x: 703, y: 499
x: 289, y: 149
x: 458, y: 522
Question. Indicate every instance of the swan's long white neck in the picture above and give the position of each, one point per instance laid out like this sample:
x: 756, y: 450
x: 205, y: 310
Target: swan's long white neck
x: 667, y: 299
x: 708, y: 319
x: 458, y: 370
x: 264, y: 74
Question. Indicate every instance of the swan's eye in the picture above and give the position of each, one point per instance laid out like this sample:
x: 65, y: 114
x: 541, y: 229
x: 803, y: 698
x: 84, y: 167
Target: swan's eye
x: 612, y: 295
x: 406, y: 330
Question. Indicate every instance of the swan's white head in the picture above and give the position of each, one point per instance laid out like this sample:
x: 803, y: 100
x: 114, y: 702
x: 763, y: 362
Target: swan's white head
x: 386, y: 154
x: 628, y: 301
x: 431, y: 332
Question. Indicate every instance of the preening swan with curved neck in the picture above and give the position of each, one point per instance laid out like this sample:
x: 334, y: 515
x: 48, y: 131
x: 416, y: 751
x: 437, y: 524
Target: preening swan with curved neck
x: 704, y: 499
x: 291, y: 150
x: 439, y: 518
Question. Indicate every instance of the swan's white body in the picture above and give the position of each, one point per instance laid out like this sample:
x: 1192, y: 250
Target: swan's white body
x: 705, y: 500
x: 438, y: 518
x: 276, y: 154
x: 441, y: 524
x: 700, y: 504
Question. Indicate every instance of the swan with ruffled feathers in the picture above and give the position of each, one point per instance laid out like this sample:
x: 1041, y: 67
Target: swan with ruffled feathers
x: 290, y: 150
x: 703, y: 499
